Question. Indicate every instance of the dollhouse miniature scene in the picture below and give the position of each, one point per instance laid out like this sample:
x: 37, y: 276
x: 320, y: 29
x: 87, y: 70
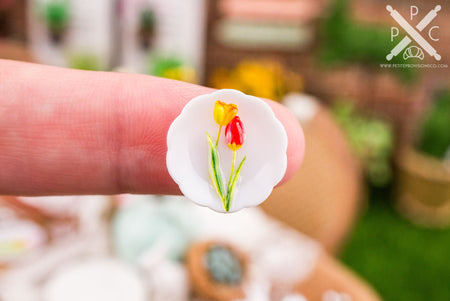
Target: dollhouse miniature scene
x: 366, y: 217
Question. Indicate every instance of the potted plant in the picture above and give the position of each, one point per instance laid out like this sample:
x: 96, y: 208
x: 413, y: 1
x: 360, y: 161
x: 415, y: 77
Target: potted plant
x: 56, y: 14
x: 147, y: 28
x: 371, y: 139
x: 424, y: 169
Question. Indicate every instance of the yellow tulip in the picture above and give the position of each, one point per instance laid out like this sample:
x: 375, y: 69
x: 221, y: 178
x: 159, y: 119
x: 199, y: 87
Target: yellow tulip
x: 224, y: 113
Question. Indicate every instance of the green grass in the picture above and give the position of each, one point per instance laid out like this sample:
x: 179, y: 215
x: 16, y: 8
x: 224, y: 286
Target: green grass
x: 401, y: 261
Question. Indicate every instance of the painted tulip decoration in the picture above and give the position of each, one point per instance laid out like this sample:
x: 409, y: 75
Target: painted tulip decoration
x: 226, y: 115
x: 223, y: 114
x: 234, y: 134
x: 242, y: 158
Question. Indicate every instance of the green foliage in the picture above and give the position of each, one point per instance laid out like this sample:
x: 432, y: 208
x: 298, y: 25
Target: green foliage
x: 434, y: 137
x: 56, y: 15
x: 162, y: 64
x: 84, y: 62
x: 401, y: 261
x: 348, y: 41
x: 172, y: 67
x: 370, y: 138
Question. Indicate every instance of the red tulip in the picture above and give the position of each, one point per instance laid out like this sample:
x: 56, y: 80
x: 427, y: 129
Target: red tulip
x: 234, y: 134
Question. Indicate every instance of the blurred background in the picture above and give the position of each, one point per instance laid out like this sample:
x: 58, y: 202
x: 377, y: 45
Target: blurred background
x: 367, y: 216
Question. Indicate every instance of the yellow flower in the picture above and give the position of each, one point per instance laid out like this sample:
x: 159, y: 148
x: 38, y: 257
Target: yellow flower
x: 224, y: 112
x: 264, y: 78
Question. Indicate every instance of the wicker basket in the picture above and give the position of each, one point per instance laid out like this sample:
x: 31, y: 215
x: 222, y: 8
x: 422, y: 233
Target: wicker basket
x: 423, y: 189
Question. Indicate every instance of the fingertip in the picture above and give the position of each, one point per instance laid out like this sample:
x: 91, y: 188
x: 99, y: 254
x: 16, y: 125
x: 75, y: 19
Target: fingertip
x: 296, y: 139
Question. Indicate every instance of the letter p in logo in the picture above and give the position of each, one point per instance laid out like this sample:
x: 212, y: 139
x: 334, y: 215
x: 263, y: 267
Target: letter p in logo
x: 394, y: 33
x: 414, y: 11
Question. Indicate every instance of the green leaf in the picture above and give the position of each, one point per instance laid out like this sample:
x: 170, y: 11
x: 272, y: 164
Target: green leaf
x: 215, y: 171
x: 231, y: 187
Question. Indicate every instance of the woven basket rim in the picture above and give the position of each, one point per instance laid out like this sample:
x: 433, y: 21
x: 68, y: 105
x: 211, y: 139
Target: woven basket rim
x: 412, y: 161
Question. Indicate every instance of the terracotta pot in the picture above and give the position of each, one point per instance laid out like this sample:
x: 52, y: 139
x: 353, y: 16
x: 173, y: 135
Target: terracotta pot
x: 423, y: 189
x: 201, y: 281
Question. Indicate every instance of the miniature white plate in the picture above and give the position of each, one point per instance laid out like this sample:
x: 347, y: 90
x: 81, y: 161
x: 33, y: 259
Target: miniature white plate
x: 264, y: 146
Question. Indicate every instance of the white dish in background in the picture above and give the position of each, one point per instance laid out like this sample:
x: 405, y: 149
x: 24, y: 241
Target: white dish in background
x: 95, y: 279
x: 265, y: 146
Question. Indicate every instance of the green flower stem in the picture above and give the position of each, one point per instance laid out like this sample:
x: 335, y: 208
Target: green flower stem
x: 218, y: 135
x: 226, y: 195
x: 215, y: 172
x: 231, y: 187
x: 230, y: 179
